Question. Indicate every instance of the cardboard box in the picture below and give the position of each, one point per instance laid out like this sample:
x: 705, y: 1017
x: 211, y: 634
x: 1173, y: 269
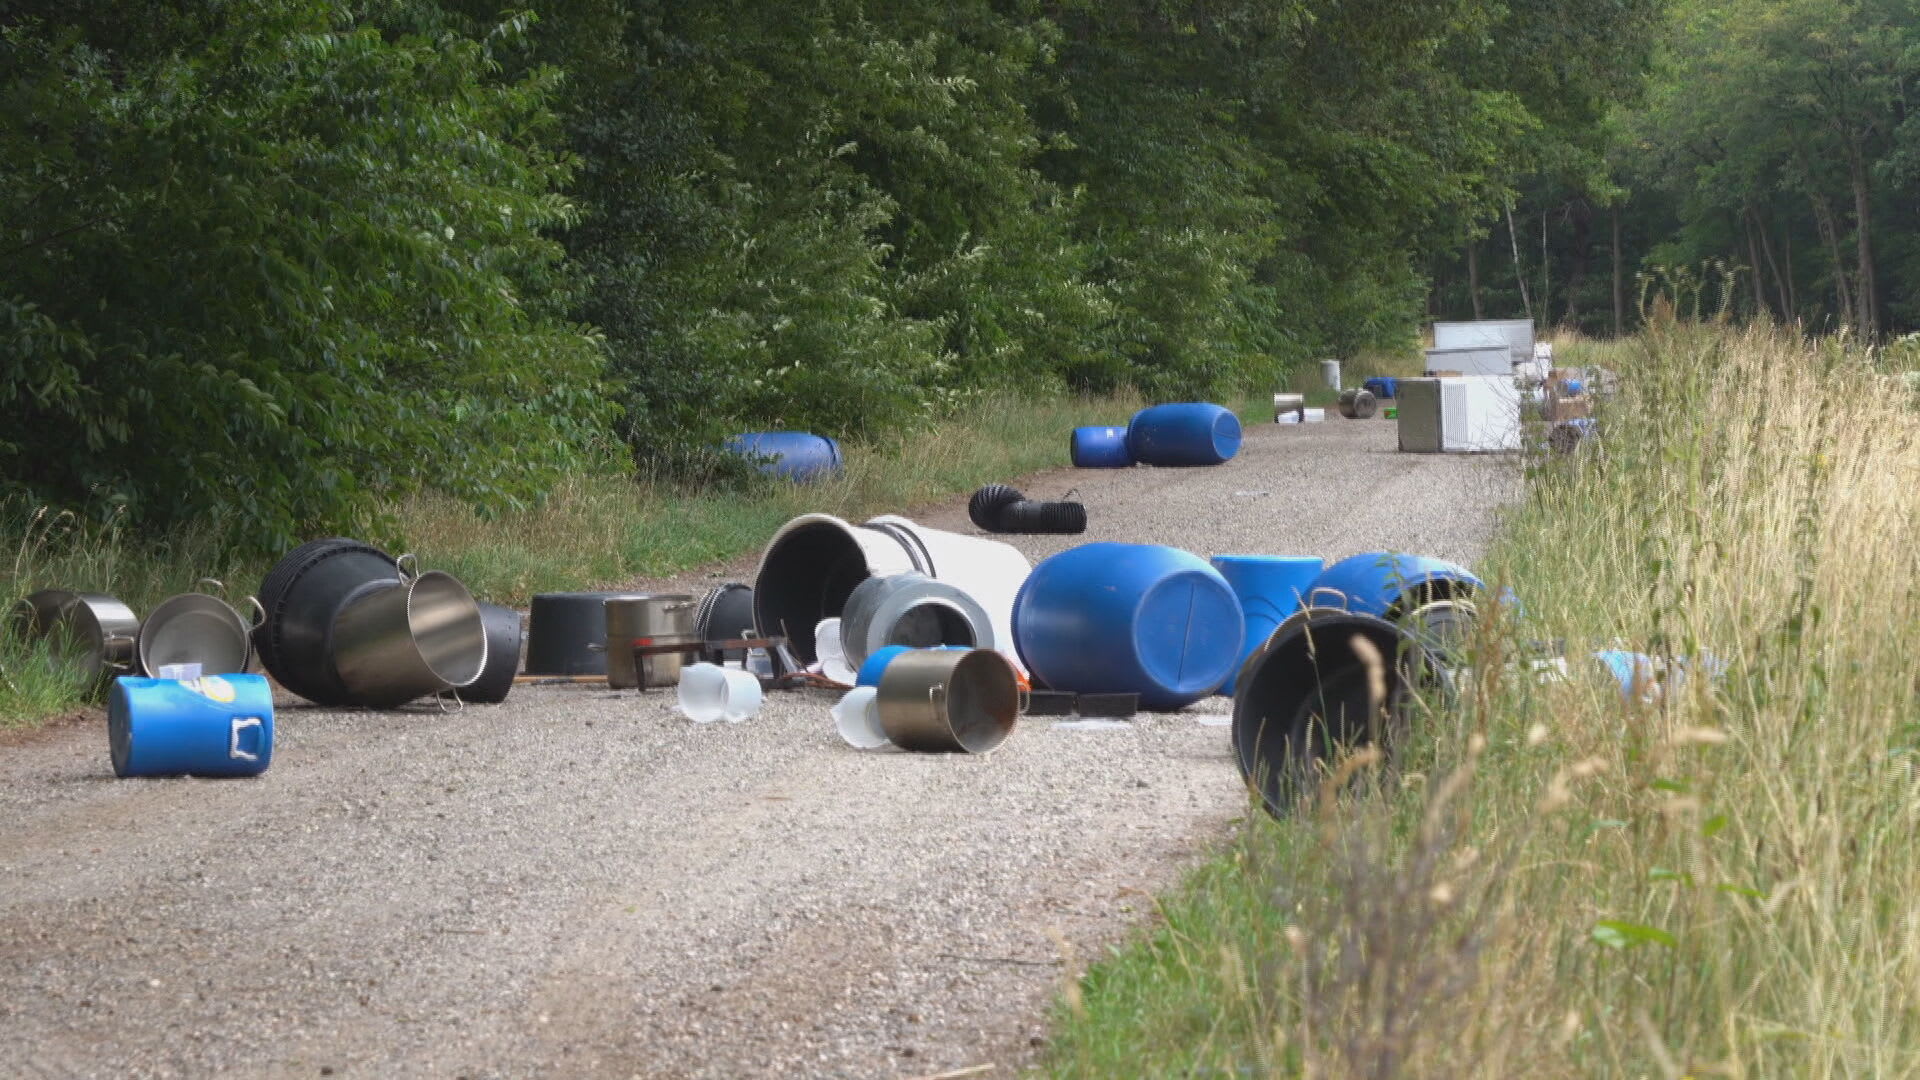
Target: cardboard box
x: 1569, y: 408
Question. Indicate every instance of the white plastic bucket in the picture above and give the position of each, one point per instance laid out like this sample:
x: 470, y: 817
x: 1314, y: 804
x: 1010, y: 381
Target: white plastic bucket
x: 814, y: 562
x: 709, y: 692
x: 857, y: 718
x: 1330, y: 374
x: 833, y: 655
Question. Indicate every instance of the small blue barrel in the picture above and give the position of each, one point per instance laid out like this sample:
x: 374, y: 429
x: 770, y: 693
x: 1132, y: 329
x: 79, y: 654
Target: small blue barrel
x: 1184, y: 433
x: 217, y: 725
x: 1100, y: 448
x: 1382, y: 386
x: 1375, y: 582
x: 876, y: 664
x: 800, y: 456
x: 1270, y: 588
x: 1129, y: 618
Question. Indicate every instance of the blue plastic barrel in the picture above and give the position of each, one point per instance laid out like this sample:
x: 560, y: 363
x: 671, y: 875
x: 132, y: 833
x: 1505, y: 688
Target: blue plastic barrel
x: 800, y: 456
x: 1184, y: 433
x: 1270, y: 588
x: 876, y: 663
x: 1382, y: 386
x: 218, y: 725
x: 1375, y: 582
x: 1100, y: 448
x: 1129, y: 618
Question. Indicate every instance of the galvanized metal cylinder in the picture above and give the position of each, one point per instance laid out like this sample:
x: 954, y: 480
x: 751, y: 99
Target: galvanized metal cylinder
x: 640, y: 621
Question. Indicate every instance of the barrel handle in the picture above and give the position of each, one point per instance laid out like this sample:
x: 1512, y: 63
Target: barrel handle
x: 241, y: 723
x: 1346, y: 602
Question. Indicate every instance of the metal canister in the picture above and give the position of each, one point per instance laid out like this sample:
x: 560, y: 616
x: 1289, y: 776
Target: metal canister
x: 941, y: 700
x: 642, y: 621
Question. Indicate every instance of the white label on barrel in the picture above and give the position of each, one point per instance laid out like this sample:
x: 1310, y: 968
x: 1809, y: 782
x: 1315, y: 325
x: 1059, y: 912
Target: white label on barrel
x: 240, y: 724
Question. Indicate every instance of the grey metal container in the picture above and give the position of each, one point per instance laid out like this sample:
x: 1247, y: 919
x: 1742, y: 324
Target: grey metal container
x: 92, y: 632
x: 408, y: 638
x: 942, y: 700
x: 567, y: 633
x: 911, y: 609
x: 197, y: 628
x: 663, y: 619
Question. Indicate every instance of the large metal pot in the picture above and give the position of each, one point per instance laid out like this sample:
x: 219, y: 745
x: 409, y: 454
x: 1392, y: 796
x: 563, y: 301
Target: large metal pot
x: 92, y: 632
x: 407, y: 638
x: 197, y: 628
x: 639, y: 621
x: 942, y: 700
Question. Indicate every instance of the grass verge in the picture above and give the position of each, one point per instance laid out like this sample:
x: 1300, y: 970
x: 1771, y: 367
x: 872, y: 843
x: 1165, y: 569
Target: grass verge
x: 594, y: 531
x: 1706, y: 873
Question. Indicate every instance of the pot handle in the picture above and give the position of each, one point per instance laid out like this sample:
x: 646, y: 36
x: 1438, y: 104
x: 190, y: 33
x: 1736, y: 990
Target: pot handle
x: 407, y: 566
x: 260, y: 613
x: 937, y: 697
x: 459, y: 703
x: 123, y: 639
x: 219, y: 587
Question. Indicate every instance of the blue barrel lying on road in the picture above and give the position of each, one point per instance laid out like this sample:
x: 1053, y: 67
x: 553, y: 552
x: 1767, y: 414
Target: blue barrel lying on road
x: 1270, y: 588
x: 216, y: 725
x: 800, y: 456
x: 875, y: 665
x: 1100, y: 448
x: 1382, y: 386
x: 1387, y: 583
x: 1129, y: 618
x: 1184, y: 433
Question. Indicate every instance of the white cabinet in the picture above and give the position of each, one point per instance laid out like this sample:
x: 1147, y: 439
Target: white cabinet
x: 1459, y: 415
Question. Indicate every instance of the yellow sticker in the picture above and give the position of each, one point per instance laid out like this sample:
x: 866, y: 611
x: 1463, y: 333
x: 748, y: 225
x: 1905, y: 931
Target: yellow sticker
x: 215, y: 687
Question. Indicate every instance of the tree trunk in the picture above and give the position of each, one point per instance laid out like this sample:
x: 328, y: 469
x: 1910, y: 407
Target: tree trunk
x: 1793, y: 293
x: 1843, y: 296
x: 1473, y: 272
x: 1766, y: 247
x: 1619, y: 278
x: 1866, y: 292
x: 1582, y: 252
x: 1519, y: 272
x: 1546, y: 293
x: 1753, y: 262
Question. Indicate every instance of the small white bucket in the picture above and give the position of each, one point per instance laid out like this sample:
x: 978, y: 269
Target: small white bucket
x: 857, y: 717
x: 1330, y: 374
x: 832, y: 652
x: 709, y: 692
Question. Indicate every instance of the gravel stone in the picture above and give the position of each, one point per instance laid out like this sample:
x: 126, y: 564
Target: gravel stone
x: 583, y: 883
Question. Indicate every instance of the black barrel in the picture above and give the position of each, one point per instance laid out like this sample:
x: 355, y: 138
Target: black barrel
x: 503, y: 656
x: 301, y: 595
x: 1308, y: 693
x: 724, y: 614
x: 563, y: 630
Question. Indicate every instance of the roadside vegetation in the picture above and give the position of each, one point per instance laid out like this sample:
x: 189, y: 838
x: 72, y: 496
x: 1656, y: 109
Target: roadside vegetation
x: 1708, y: 875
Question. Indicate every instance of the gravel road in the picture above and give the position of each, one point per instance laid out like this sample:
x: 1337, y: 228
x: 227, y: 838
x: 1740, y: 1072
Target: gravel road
x: 582, y: 883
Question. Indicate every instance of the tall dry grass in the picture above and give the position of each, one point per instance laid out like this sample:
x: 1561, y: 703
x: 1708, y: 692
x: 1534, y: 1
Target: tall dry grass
x: 1715, y: 872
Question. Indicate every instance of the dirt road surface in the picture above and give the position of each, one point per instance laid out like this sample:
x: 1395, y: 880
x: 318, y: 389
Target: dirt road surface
x: 581, y: 883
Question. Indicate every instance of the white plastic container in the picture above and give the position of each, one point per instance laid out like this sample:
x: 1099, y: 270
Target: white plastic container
x: 708, y: 692
x: 814, y: 562
x: 1330, y: 374
x: 856, y: 716
x: 1478, y: 360
x: 1304, y: 416
x: 1515, y: 334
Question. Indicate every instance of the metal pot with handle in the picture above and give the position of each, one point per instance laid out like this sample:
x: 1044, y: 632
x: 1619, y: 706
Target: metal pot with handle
x: 415, y: 635
x: 198, y: 628
x: 93, y: 632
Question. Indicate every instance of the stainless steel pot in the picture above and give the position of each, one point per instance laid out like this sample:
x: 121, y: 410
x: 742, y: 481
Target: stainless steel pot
x: 400, y: 640
x: 198, y: 628
x: 92, y: 632
x: 940, y: 700
x: 663, y: 619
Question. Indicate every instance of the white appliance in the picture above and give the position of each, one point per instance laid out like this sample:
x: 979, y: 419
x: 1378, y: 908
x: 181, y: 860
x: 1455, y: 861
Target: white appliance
x: 1474, y: 360
x: 1459, y: 415
x: 1515, y: 334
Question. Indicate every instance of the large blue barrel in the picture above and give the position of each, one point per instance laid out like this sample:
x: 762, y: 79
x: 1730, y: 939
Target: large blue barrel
x: 1184, y: 433
x: 218, y: 725
x: 797, y: 455
x: 1129, y: 618
x: 1100, y: 448
x: 1382, y: 386
x: 1270, y: 588
x: 1376, y: 582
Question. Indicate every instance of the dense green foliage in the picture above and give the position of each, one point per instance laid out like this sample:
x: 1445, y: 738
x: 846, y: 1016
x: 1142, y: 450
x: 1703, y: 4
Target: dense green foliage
x: 1770, y: 168
x: 270, y: 264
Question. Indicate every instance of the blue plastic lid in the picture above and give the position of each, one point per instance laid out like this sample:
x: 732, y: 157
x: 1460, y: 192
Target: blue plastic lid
x: 1187, y: 632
